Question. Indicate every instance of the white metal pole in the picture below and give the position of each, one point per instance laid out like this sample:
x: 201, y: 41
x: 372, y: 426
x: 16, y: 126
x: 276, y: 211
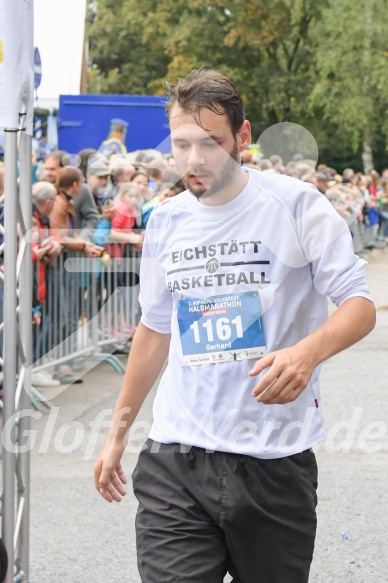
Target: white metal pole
x: 9, y: 343
x: 25, y: 317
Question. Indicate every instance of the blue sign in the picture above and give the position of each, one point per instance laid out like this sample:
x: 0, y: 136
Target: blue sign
x: 221, y: 328
x: 37, y: 68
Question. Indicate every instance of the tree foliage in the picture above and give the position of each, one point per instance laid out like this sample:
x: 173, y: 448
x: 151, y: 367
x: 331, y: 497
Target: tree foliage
x: 352, y: 86
x: 320, y: 64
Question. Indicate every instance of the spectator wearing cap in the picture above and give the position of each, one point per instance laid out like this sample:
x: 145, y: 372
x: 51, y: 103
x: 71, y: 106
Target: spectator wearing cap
x: 97, y: 177
x: 98, y: 174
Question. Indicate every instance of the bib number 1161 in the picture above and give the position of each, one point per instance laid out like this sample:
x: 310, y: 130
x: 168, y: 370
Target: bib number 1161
x: 224, y: 328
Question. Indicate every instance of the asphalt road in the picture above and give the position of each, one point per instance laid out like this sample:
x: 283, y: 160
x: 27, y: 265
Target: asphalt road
x: 76, y: 536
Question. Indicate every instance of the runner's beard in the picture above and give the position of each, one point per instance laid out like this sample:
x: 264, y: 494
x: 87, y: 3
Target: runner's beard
x: 226, y: 176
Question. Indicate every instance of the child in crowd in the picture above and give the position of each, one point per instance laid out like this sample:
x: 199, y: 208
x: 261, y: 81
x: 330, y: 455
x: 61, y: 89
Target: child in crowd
x: 127, y: 243
x: 123, y: 222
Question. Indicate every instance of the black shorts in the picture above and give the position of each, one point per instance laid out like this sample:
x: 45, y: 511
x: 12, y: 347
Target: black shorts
x: 202, y: 515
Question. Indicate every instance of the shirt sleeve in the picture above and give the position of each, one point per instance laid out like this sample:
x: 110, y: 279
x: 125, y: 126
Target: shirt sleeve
x: 155, y: 297
x: 327, y: 244
x: 102, y: 232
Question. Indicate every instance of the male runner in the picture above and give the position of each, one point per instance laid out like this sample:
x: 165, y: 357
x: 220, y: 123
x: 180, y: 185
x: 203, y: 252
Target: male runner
x: 240, y: 263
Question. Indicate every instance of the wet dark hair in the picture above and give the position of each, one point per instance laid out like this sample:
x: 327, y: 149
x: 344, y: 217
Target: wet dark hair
x: 211, y: 89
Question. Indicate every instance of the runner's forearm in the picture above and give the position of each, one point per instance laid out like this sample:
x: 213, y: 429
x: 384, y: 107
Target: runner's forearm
x: 349, y: 324
x: 117, y: 236
x: 147, y: 357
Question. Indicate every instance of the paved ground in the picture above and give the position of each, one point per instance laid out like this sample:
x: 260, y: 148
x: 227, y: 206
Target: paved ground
x: 76, y: 536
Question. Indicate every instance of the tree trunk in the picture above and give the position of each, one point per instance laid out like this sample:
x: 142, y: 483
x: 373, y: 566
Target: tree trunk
x: 367, y: 157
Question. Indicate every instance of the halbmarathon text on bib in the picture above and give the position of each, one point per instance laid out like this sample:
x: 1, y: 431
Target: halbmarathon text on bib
x: 221, y: 328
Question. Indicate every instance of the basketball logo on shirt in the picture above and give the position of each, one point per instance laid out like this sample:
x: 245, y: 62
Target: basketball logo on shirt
x: 212, y: 265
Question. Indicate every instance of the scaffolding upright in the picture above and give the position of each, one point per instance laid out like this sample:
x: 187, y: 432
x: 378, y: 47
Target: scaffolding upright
x: 16, y: 111
x: 17, y: 348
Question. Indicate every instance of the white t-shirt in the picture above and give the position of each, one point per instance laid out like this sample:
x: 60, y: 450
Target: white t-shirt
x: 230, y: 283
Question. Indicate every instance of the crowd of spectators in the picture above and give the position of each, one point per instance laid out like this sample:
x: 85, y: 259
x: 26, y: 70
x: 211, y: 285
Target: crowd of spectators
x: 87, y: 206
x: 100, y: 209
x: 96, y: 207
x: 360, y: 198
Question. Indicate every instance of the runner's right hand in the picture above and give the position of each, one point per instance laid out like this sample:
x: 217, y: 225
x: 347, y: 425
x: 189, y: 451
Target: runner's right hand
x: 109, y: 476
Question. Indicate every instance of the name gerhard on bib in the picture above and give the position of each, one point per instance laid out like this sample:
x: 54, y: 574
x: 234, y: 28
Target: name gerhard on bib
x: 221, y: 328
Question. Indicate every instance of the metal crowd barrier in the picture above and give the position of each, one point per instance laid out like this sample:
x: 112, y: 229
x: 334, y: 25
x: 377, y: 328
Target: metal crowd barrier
x: 367, y: 237
x: 90, y: 308
x: 357, y: 232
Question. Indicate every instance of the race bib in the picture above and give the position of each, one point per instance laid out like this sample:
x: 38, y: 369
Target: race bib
x: 221, y: 328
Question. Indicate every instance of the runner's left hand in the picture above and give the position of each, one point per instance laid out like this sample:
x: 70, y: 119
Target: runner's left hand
x: 288, y: 374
